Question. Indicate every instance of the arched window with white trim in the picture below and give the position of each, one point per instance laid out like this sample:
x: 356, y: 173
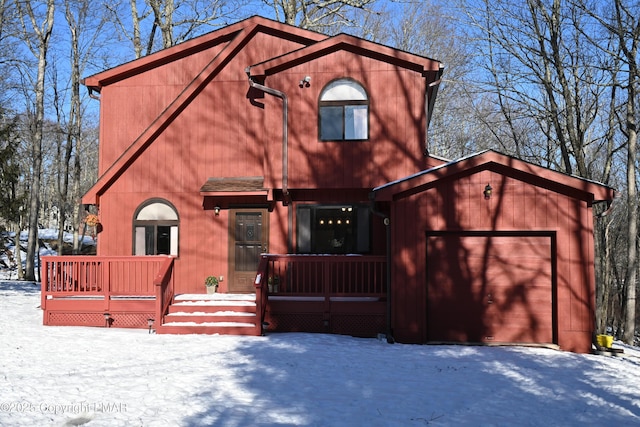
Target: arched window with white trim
x: 155, y: 228
x: 343, y: 112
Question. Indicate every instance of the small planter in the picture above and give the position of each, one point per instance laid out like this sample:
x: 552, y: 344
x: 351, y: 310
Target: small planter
x: 274, y: 284
x: 211, y: 283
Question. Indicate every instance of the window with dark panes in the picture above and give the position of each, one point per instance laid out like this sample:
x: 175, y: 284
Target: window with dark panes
x: 333, y: 229
x: 343, y: 112
x: 155, y: 229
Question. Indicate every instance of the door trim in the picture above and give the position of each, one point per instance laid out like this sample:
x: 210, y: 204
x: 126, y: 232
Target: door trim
x: 232, y: 240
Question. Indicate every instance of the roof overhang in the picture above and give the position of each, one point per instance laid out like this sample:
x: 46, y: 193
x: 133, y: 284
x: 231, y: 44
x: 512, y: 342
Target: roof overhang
x: 491, y: 160
x: 218, y: 37
x: 233, y: 37
x: 235, y: 186
x: 420, y: 64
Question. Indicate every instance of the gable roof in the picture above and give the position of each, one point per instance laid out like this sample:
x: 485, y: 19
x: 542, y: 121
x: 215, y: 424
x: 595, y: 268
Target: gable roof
x: 198, y: 44
x: 492, y: 160
x: 234, y: 37
x: 349, y: 43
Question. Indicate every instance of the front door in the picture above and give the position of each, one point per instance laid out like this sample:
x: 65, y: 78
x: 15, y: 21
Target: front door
x: 248, y: 238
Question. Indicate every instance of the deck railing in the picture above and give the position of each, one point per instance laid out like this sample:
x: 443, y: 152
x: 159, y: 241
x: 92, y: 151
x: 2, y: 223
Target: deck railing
x: 306, y: 290
x: 165, y: 289
x: 99, y: 276
x: 326, y: 275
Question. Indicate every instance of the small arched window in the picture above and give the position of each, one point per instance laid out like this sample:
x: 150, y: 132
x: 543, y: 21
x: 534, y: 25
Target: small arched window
x: 343, y: 112
x: 155, y: 228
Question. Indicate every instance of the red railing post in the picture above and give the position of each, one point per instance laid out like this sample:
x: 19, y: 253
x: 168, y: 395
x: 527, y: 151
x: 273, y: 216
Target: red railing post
x: 261, y: 296
x: 106, y: 289
x: 44, y: 283
x: 164, y: 289
x: 326, y: 288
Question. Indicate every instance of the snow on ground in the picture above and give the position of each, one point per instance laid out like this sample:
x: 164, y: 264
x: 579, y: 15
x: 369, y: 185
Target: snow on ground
x: 54, y: 376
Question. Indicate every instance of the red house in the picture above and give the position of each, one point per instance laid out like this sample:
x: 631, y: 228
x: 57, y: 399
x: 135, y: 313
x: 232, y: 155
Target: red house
x: 294, y: 168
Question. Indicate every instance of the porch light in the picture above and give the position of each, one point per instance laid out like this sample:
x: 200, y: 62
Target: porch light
x: 487, y: 191
x: 150, y: 323
x: 216, y: 210
x: 107, y: 319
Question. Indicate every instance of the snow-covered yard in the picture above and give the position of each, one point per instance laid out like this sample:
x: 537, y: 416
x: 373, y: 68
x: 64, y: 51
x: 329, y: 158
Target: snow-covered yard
x: 117, y: 377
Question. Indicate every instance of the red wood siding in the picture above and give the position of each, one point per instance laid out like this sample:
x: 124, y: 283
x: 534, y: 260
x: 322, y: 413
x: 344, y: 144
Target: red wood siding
x: 396, y: 118
x: 458, y: 204
x: 490, y: 288
x: 224, y: 133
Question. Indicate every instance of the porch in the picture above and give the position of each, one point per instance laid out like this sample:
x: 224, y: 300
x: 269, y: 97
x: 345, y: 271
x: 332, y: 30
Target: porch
x: 344, y: 294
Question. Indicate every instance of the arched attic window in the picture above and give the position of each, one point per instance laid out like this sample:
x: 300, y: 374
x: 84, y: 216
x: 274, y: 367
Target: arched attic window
x: 343, y: 112
x: 155, y: 229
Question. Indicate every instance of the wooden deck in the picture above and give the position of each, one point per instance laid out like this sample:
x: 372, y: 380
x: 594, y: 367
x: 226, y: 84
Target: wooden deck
x: 302, y: 293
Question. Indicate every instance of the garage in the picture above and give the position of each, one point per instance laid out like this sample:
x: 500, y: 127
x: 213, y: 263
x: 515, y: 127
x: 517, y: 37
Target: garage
x: 490, y: 288
x: 492, y: 249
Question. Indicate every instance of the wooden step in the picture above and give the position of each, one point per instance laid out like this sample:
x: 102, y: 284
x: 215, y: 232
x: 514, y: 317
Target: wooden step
x: 211, y: 307
x: 214, y: 328
x: 224, y: 314
x: 208, y: 317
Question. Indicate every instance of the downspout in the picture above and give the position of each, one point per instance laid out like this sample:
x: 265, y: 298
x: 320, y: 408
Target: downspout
x: 605, y: 213
x: 387, y: 225
x: 429, y: 103
x: 91, y: 95
x: 285, y: 133
x: 610, y: 204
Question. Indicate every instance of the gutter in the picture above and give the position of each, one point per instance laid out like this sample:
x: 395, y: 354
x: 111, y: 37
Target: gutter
x: 387, y: 224
x: 285, y: 133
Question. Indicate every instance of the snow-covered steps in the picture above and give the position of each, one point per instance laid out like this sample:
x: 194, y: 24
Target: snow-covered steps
x: 224, y: 314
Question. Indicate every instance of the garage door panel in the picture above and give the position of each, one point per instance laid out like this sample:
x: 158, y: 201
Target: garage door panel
x: 489, y: 288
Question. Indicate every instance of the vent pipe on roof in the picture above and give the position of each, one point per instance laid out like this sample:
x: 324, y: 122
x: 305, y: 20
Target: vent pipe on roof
x: 285, y: 133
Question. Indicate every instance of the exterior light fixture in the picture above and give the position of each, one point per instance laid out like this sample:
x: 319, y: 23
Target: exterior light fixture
x: 216, y: 210
x: 487, y: 191
x: 150, y: 323
x: 107, y: 320
x: 306, y: 82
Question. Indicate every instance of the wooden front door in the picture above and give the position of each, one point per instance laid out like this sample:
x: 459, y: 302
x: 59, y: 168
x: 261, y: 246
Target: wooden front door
x: 248, y: 238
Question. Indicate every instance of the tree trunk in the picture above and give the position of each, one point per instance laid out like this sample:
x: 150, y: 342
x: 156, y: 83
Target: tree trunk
x: 43, y: 35
x: 18, y: 255
x: 632, y: 225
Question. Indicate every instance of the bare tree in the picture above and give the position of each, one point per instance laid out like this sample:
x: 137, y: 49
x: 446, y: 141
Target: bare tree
x: 319, y: 15
x: 175, y: 21
x: 37, y: 27
x: 625, y: 24
x: 85, y: 31
x: 541, y: 74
